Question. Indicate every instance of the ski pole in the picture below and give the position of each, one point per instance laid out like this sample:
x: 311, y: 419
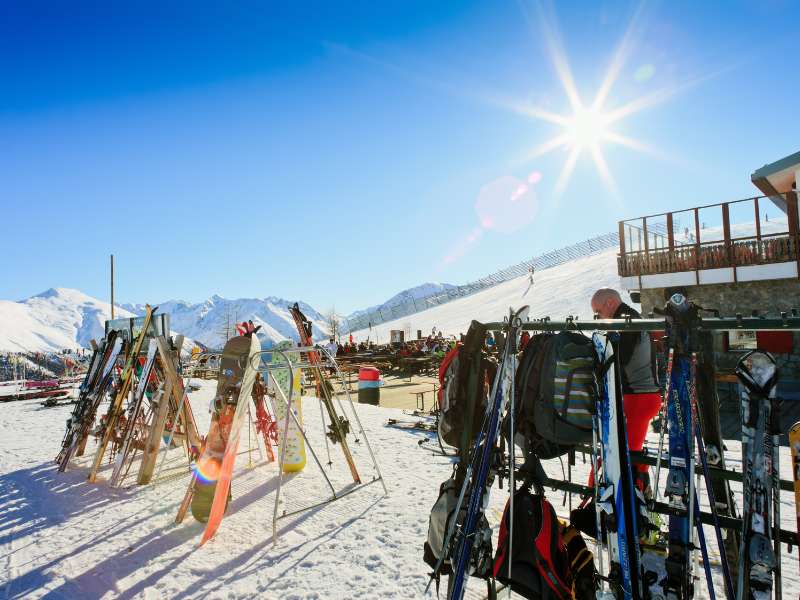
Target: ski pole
x: 662, y: 420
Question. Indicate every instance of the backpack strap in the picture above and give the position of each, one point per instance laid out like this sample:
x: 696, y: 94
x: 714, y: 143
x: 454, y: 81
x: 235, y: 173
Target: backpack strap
x: 491, y: 589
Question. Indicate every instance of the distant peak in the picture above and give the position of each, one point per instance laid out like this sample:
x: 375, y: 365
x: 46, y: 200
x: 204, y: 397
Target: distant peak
x: 61, y: 292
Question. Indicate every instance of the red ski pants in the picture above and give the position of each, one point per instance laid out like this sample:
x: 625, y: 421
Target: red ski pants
x: 640, y: 410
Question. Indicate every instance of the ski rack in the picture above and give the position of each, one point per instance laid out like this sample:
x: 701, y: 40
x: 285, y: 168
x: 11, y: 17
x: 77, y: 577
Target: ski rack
x: 325, y: 361
x: 786, y: 321
x: 788, y: 537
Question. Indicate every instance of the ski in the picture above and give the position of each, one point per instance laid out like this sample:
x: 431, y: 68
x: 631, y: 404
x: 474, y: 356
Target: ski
x: 615, y: 491
x: 726, y: 571
x: 483, y: 450
x: 709, y: 417
x: 678, y: 583
x: 339, y: 425
x: 133, y: 418
x: 82, y: 417
x: 758, y: 560
x: 115, y: 409
x: 794, y: 444
x: 415, y: 425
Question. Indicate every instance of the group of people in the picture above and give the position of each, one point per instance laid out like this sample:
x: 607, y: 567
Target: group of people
x: 427, y: 347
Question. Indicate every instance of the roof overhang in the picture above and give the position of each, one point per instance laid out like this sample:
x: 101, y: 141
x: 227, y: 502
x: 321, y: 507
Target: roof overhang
x: 777, y: 178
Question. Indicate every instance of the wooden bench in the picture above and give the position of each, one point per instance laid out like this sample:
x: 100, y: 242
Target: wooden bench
x: 420, y: 397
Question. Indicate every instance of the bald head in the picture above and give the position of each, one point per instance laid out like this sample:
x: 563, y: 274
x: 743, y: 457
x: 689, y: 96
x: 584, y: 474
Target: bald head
x: 605, y: 302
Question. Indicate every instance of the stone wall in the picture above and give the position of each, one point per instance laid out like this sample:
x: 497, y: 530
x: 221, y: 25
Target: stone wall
x: 770, y: 297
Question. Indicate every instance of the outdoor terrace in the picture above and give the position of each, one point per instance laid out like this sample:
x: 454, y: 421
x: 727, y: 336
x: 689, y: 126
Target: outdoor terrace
x: 744, y: 240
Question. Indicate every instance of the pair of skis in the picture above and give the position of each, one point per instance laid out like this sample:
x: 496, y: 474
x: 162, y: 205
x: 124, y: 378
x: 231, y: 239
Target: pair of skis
x: 461, y: 538
x: 92, y: 392
x: 339, y: 425
x: 616, y: 497
x: 132, y: 431
x: 115, y: 410
x: 686, y: 437
x: 759, y: 554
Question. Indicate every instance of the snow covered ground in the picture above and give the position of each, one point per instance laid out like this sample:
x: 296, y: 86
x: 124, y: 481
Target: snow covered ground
x: 557, y: 292
x: 61, y: 537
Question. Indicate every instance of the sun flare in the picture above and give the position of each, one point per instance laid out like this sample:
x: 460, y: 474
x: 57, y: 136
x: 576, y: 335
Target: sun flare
x: 586, y: 128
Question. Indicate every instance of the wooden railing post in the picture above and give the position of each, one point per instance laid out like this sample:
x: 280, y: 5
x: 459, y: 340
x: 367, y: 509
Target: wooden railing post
x: 697, y: 245
x: 792, y: 215
x: 726, y: 232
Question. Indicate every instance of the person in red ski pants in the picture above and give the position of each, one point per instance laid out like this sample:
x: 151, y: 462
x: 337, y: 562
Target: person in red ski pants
x: 641, y: 393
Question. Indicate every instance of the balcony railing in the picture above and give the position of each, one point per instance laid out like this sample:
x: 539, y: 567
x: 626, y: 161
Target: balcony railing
x: 753, y: 231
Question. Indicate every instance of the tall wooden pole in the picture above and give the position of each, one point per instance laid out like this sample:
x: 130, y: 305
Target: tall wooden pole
x: 112, y: 286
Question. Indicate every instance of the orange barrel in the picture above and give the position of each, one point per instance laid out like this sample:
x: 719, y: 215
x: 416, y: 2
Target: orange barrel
x: 369, y: 385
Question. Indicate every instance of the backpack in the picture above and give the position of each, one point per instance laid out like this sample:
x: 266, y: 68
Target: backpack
x: 442, y: 515
x: 549, y: 559
x: 465, y: 383
x: 557, y: 392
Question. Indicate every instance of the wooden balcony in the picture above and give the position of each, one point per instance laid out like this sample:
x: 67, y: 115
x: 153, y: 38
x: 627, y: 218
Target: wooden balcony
x: 713, y: 243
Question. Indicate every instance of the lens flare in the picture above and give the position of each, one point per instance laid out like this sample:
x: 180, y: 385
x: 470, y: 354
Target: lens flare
x: 207, y: 469
x: 506, y: 205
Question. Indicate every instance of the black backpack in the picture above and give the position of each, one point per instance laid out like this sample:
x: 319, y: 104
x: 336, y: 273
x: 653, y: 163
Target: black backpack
x: 465, y: 388
x: 556, y: 392
x: 441, y: 521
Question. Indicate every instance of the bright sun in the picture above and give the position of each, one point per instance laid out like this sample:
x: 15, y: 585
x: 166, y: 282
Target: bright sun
x: 586, y: 129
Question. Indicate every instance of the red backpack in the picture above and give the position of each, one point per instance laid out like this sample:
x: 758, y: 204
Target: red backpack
x: 443, y: 376
x: 540, y: 566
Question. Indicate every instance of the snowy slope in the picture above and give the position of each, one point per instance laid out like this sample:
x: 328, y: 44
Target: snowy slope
x: 557, y: 292
x: 207, y: 321
x: 61, y: 537
x: 56, y: 319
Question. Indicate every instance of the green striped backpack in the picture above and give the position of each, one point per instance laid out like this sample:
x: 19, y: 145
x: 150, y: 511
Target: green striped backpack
x: 557, y: 392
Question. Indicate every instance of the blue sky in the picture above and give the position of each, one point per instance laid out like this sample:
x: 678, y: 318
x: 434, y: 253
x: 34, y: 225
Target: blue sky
x: 338, y: 153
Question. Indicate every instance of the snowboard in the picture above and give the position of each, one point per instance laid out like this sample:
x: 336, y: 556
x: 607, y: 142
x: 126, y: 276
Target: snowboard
x: 233, y: 365
x: 240, y: 414
x: 295, y: 454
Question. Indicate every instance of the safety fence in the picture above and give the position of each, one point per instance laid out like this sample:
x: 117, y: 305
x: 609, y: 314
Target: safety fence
x: 537, y: 263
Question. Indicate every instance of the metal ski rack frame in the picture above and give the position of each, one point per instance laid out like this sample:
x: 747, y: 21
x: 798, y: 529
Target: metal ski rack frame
x: 325, y: 361
x: 785, y: 322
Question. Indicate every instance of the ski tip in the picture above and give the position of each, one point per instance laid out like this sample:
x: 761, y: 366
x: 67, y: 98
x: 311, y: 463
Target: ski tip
x: 207, y: 535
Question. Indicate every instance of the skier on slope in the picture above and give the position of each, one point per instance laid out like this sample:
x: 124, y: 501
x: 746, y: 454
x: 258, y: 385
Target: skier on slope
x: 641, y: 393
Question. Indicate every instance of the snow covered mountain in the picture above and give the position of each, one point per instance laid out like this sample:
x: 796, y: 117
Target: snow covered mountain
x: 66, y: 318
x: 420, y: 291
x: 207, y: 322
x: 53, y: 320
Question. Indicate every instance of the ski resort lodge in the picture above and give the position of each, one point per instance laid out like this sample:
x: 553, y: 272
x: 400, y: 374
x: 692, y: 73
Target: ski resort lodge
x: 737, y: 257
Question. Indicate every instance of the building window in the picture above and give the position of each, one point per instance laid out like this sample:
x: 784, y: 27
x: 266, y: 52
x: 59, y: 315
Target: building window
x: 740, y: 339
